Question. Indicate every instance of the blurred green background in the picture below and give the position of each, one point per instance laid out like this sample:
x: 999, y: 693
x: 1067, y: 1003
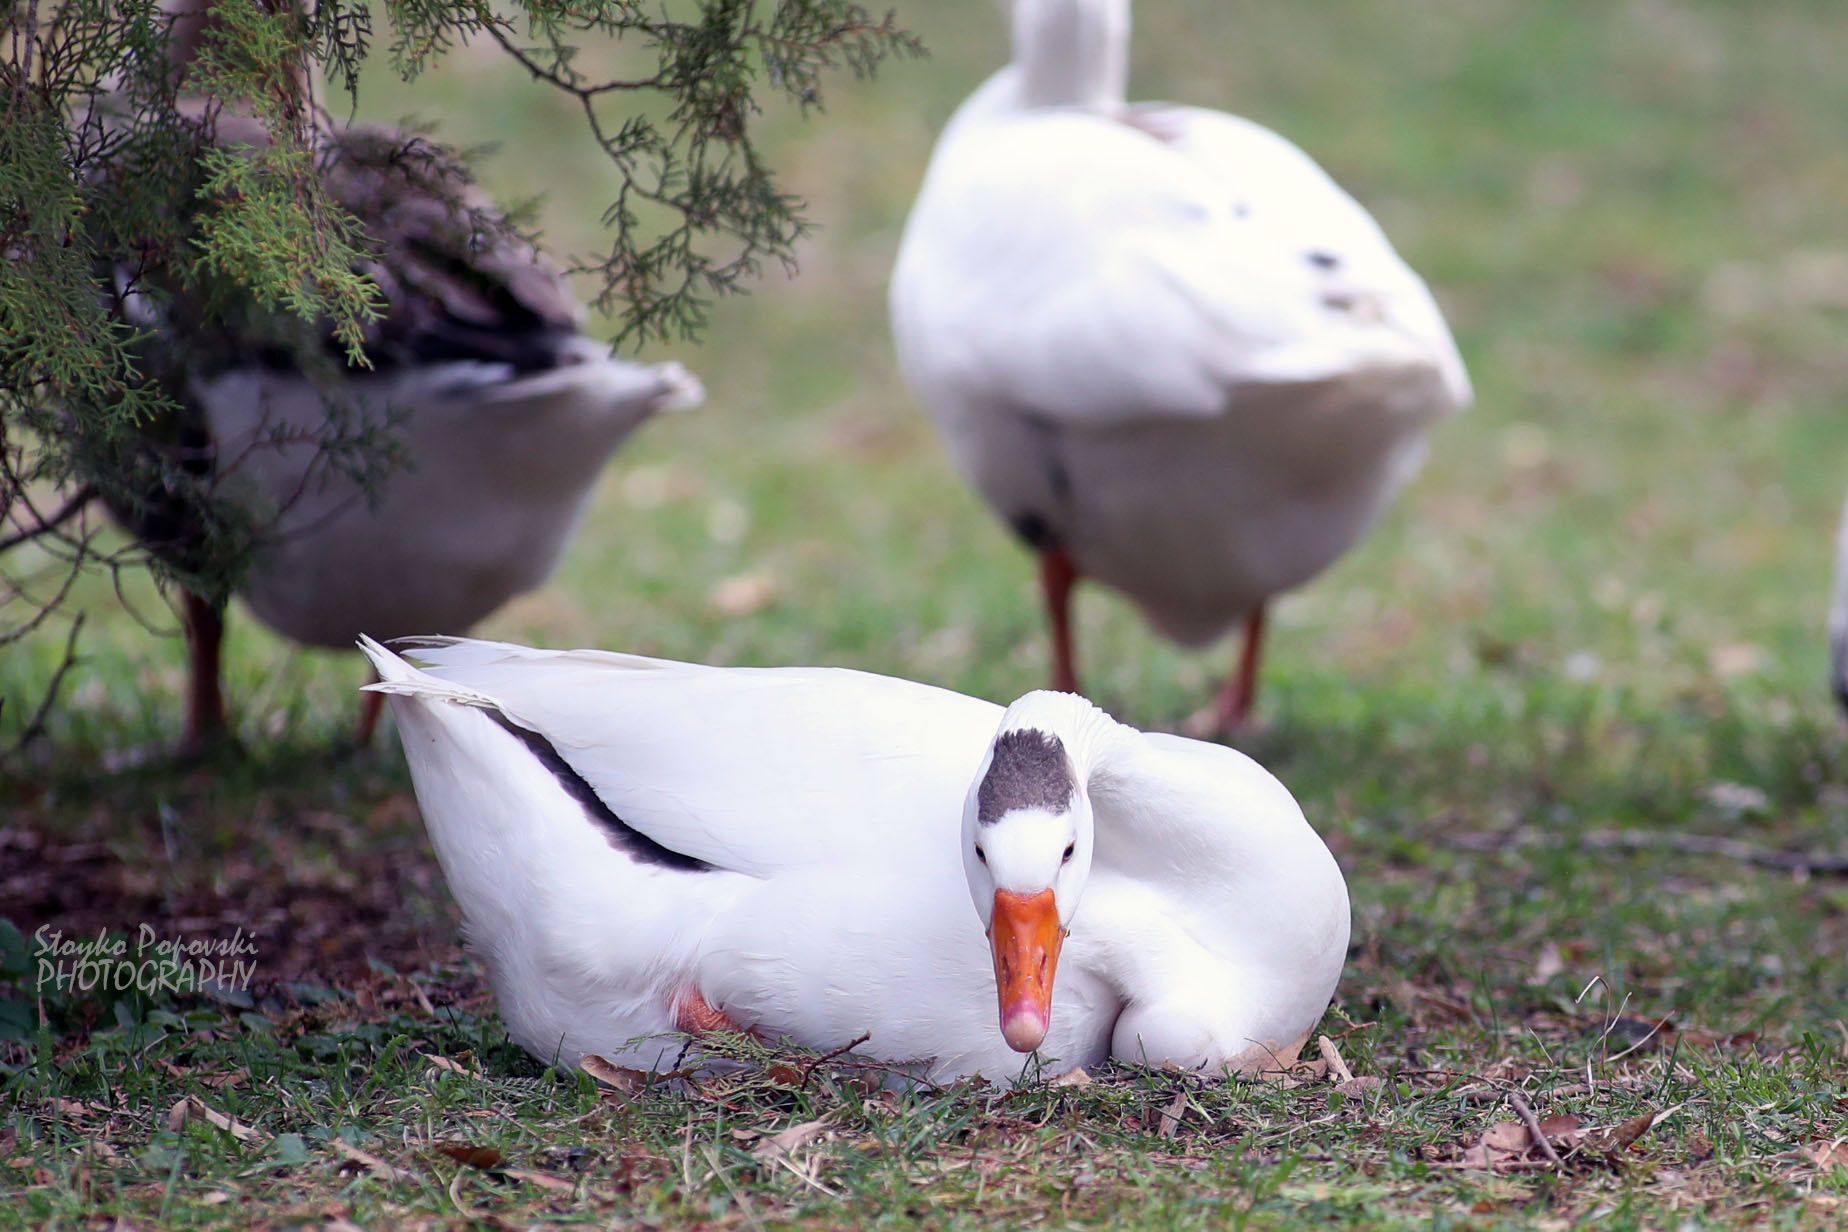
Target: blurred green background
x: 1631, y: 211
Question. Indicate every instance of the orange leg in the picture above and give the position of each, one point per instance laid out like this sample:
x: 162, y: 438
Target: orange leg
x: 1057, y: 574
x: 696, y: 1017
x: 1232, y: 710
x: 205, y: 699
x: 370, y: 704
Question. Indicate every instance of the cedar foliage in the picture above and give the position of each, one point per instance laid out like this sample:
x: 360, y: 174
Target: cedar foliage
x: 123, y: 208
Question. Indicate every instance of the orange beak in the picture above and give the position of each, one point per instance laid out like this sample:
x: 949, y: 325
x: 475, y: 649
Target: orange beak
x: 1026, y: 937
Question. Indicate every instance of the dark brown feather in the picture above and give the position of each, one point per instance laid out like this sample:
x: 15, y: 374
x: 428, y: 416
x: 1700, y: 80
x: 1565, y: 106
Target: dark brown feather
x: 1029, y: 771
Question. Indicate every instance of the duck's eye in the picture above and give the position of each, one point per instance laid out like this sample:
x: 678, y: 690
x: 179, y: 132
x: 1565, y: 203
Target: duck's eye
x: 1069, y: 848
x: 980, y: 854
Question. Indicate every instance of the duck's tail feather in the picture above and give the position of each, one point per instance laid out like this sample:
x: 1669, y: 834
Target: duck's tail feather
x: 399, y: 676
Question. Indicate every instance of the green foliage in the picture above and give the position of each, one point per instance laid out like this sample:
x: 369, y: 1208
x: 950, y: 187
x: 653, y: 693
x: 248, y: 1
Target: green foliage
x: 165, y: 209
x: 17, y: 1018
x: 692, y: 172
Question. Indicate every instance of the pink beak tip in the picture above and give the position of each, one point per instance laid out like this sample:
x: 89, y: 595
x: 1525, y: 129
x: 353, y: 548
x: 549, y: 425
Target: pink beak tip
x: 1023, y: 1027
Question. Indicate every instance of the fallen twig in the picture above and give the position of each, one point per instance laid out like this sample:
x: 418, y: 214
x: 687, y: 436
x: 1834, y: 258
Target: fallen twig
x: 45, y: 525
x: 191, y: 1107
x: 1338, y: 1071
x: 1523, y: 1110
x: 1808, y: 862
x: 809, y: 1070
x: 35, y: 725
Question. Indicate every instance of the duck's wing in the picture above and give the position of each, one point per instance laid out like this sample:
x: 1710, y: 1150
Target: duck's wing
x: 753, y: 770
x: 1363, y: 291
x: 457, y: 282
x: 1096, y: 270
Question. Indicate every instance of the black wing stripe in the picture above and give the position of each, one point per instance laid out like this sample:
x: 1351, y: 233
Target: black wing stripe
x: 621, y: 835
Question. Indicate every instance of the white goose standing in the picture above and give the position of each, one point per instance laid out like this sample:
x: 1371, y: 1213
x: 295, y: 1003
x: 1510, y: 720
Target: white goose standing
x: 642, y: 848
x: 1162, y: 343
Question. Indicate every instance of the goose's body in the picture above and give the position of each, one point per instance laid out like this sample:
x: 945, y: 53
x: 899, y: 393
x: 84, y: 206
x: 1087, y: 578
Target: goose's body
x: 498, y: 466
x: 1161, y: 342
x: 502, y: 412
x: 638, y: 845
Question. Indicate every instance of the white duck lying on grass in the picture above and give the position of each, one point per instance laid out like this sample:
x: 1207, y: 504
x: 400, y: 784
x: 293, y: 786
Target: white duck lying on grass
x: 642, y: 848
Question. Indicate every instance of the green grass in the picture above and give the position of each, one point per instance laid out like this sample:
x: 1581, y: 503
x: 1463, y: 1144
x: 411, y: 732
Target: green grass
x: 1599, y: 609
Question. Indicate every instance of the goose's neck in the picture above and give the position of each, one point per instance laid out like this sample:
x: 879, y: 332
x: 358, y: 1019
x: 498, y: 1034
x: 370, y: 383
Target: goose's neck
x: 1087, y: 734
x: 1072, y: 53
x: 1166, y: 815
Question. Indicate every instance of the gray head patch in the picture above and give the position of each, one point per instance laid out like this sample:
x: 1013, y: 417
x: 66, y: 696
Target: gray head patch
x: 1029, y: 771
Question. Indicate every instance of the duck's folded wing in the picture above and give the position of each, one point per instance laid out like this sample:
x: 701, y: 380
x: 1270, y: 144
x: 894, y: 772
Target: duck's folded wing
x: 1306, y: 221
x: 1090, y: 274
x: 754, y: 770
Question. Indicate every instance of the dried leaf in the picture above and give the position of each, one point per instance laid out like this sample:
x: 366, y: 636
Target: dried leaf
x: 1503, y: 1144
x: 1508, y: 1137
x: 620, y: 1077
x: 1077, y: 1077
x: 193, y: 1108
x: 474, y: 1156
x: 1169, y: 1119
x: 1356, y: 1088
x: 542, y: 1179
x: 370, y: 1162
x: 217, y: 1197
x: 784, y: 1075
x: 1830, y: 1154
x: 1561, y: 1130
x: 1266, y: 1058
x: 1306, y: 1073
x: 1703, y: 1037
x: 448, y: 1066
x: 1620, y: 1138
x: 785, y: 1141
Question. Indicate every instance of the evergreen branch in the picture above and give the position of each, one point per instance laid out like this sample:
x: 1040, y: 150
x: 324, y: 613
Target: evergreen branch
x: 35, y: 725
x: 165, y: 211
x: 45, y: 526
